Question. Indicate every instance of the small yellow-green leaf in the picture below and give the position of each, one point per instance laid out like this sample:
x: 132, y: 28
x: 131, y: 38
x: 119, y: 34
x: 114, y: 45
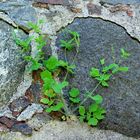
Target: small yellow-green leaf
x: 74, y: 92
x: 82, y: 110
x: 44, y: 100
x: 92, y: 121
x: 94, y: 72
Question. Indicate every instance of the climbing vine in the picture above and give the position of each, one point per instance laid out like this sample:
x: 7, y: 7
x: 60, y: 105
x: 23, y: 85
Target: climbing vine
x: 51, y: 68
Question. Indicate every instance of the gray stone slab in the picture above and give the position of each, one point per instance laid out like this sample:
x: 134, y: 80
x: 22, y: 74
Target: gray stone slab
x: 11, y: 63
x: 121, y: 1
x: 122, y: 98
x: 21, y: 12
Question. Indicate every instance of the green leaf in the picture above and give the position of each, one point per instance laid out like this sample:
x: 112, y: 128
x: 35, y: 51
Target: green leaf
x: 49, y: 110
x: 81, y: 118
x: 82, y: 110
x: 105, y: 77
x: 97, y: 98
x: 34, y: 26
x: 65, y: 65
x: 93, y: 121
x: 93, y: 108
x: 74, y: 92
x: 104, y: 83
x: 44, y: 100
x: 58, y: 106
x: 52, y: 63
x: 99, y: 115
x: 75, y: 100
x: 49, y: 93
x: 102, y: 61
x: 110, y: 67
x: 123, y: 69
x: 66, y: 44
x: 94, y: 72
x: 88, y: 115
x: 124, y: 54
x: 46, y: 74
x: 48, y: 83
x: 59, y: 86
x: 51, y: 102
x: 35, y: 65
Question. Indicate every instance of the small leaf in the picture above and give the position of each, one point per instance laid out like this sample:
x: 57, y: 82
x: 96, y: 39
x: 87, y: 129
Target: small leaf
x: 46, y: 74
x: 48, y: 110
x: 106, y: 77
x: 93, y: 108
x: 58, y: 106
x: 52, y: 63
x: 81, y: 118
x: 110, y: 67
x: 92, y: 121
x: 102, y: 61
x: 75, y: 100
x: 44, y: 100
x: 124, y: 54
x: 59, y: 86
x: 94, y: 72
x: 97, y: 98
x: 99, y: 116
x: 74, y: 92
x: 123, y: 69
x: 82, y: 110
x: 88, y: 115
x: 49, y: 93
x: 104, y: 83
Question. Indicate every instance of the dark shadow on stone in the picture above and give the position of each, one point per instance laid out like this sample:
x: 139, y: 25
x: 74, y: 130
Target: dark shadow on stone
x: 122, y: 98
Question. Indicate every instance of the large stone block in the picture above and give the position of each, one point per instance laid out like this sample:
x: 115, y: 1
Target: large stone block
x: 122, y: 98
x: 11, y: 63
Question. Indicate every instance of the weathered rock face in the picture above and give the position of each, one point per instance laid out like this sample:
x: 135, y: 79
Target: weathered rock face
x: 121, y: 99
x: 121, y: 1
x: 20, y: 11
x: 65, y: 131
x: 11, y: 63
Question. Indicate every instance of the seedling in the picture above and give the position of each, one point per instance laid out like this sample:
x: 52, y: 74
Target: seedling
x: 52, y: 88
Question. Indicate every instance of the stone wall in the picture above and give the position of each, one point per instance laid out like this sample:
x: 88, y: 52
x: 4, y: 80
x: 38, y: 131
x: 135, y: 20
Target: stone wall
x: 103, y: 24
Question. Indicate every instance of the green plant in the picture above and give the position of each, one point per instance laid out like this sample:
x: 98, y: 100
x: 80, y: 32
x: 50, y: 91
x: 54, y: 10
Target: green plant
x: 52, y: 88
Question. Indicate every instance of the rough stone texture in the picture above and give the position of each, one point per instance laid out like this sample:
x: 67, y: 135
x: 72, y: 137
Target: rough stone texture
x: 23, y: 128
x: 121, y: 99
x: 67, y: 131
x: 121, y: 1
x: 18, y: 105
x: 55, y: 2
x: 20, y: 11
x: 7, y: 121
x: 29, y: 112
x: 39, y: 120
x: 11, y: 63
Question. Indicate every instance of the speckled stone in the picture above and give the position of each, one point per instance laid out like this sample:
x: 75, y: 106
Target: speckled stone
x: 121, y: 99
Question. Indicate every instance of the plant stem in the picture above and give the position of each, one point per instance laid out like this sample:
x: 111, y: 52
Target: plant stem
x: 66, y: 109
x: 87, y: 97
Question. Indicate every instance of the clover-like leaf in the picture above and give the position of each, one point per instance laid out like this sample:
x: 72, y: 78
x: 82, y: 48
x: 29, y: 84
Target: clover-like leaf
x: 97, y: 98
x: 74, y: 92
x: 57, y: 87
x: 75, y: 100
x: 102, y: 61
x: 52, y: 63
x: 44, y: 100
x: 93, y: 121
x: 94, y: 72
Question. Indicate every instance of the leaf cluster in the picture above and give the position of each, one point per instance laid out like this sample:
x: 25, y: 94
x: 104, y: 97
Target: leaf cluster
x: 104, y: 75
x: 94, y: 113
